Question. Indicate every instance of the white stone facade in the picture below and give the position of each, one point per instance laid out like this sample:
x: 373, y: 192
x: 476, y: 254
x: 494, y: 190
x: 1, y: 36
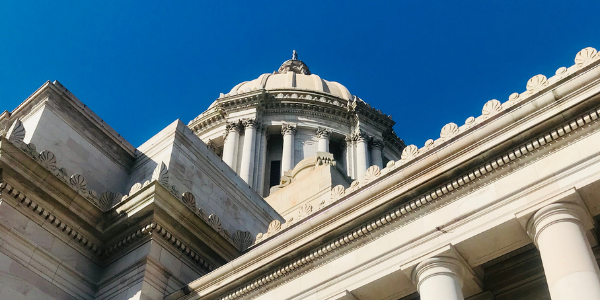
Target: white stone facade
x: 503, y: 207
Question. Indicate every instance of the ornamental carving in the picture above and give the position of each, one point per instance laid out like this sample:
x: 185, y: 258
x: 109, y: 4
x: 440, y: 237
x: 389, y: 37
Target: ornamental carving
x: 189, y: 199
x: 360, y: 136
x: 247, y: 123
x: 214, y: 221
x: 376, y: 144
x: 491, y: 108
x: 108, y: 199
x: 449, y: 131
x: 287, y: 128
x: 410, y: 152
x: 229, y: 126
x: 242, y: 239
x: 30, y: 149
x: 274, y: 227
x: 585, y: 57
x: 536, y: 83
x: 78, y: 183
x: 134, y: 188
x: 337, y: 192
x: 390, y: 165
x: 470, y: 121
x: 429, y: 144
x: 304, y: 211
x: 323, y: 133
x: 16, y: 132
x: 372, y: 173
x: 48, y: 160
x: 514, y: 98
x: 161, y: 174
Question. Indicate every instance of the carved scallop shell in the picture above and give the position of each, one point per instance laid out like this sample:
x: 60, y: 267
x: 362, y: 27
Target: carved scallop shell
x: 136, y: 187
x: 428, y: 144
x: 161, y: 174
x: 491, y: 108
x: 449, y: 131
x: 78, y: 182
x: 259, y: 238
x: 390, y: 165
x: 16, y: 132
x: 242, y: 239
x: 585, y: 57
x: 275, y: 226
x: 108, y: 199
x: 536, y: 83
x: 337, y: 192
x: 305, y: 210
x: 189, y: 199
x: 372, y: 173
x: 48, y: 160
x: 214, y: 221
x: 470, y: 121
x: 514, y: 97
x: 355, y: 185
x: 30, y: 149
x: 410, y: 152
x: 147, y: 182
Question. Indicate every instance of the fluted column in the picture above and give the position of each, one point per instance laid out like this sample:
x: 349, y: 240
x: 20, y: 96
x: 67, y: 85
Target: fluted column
x: 247, y: 163
x: 323, y: 137
x: 232, y: 136
x: 362, y: 158
x: 569, y: 264
x: 439, y: 278
x: 287, y: 158
x: 376, y: 157
x: 263, y: 161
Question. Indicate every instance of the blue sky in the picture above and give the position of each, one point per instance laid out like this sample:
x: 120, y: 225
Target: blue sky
x: 142, y: 64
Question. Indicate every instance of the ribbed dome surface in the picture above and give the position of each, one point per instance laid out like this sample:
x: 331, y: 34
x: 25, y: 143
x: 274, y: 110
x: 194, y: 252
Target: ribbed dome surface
x: 293, y: 74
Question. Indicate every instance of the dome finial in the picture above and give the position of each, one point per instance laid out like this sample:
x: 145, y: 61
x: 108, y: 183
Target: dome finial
x: 294, y: 55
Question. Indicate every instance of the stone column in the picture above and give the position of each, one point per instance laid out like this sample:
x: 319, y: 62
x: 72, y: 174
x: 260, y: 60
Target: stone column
x: 376, y: 158
x: 323, y: 137
x: 263, y: 161
x: 287, y: 158
x: 232, y: 136
x: 362, y: 159
x: 439, y: 278
x: 569, y: 264
x: 247, y: 163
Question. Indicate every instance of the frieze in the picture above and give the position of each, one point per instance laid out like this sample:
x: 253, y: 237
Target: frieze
x: 407, y: 208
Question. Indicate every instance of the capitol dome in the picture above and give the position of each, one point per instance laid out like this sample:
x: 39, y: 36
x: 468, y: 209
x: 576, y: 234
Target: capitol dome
x: 292, y: 75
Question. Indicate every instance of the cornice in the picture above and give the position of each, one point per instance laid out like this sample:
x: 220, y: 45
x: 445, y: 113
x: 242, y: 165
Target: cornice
x: 578, y: 87
x: 408, y: 208
x: 64, y: 227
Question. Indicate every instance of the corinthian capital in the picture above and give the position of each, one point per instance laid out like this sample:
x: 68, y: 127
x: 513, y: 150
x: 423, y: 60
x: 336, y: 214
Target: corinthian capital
x: 323, y: 133
x: 230, y: 126
x: 287, y: 128
x: 360, y: 136
x: 376, y: 144
x: 250, y: 123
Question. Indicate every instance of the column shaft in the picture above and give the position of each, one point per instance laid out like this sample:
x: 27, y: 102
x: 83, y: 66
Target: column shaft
x: 569, y: 263
x: 362, y: 158
x: 231, y: 143
x: 263, y: 162
x: 247, y: 162
x: 287, y: 158
x: 323, y: 137
x: 439, y: 278
x: 376, y: 156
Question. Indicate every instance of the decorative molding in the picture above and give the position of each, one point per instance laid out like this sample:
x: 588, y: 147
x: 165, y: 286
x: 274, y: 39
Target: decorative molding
x: 323, y: 133
x: 491, y: 108
x: 250, y: 123
x: 372, y: 173
x: 287, y: 128
x: 16, y: 133
x: 50, y: 218
x: 109, y: 199
x: 376, y: 144
x: 449, y: 131
x: 161, y: 174
x: 360, y: 136
x: 189, y: 199
x: 154, y: 229
x: 407, y: 208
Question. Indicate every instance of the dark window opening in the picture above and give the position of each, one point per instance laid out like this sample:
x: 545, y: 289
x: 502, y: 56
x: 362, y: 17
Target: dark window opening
x: 275, y: 174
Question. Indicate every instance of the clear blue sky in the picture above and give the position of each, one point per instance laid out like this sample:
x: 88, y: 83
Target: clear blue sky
x: 142, y: 64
